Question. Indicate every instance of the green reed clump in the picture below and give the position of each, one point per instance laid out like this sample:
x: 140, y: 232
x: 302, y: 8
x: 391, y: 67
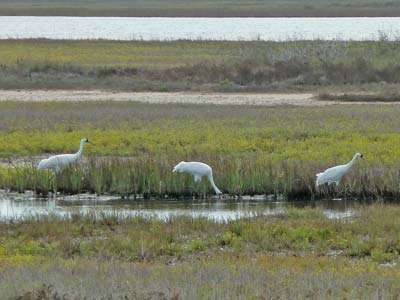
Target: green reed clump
x: 239, y: 176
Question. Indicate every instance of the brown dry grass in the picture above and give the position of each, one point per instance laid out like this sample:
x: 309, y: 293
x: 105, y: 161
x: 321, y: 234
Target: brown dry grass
x: 360, y: 97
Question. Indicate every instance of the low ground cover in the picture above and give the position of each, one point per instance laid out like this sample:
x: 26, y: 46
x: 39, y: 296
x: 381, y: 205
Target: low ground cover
x: 298, y: 254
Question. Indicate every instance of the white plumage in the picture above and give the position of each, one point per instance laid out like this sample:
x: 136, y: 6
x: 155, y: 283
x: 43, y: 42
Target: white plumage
x: 198, y: 170
x: 334, y: 174
x: 61, y: 161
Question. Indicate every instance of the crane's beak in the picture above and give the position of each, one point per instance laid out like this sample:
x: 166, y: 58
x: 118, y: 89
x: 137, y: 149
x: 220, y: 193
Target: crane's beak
x: 90, y: 143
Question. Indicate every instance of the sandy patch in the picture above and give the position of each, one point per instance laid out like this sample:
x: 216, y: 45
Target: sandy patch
x: 149, y: 97
x: 266, y: 99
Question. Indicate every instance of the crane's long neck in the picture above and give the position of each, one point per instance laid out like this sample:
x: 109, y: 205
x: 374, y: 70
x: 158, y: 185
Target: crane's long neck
x: 350, y: 163
x: 216, y: 189
x: 78, y: 154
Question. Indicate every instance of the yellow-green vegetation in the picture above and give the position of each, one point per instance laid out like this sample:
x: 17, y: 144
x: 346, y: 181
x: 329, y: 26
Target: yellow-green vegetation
x: 296, y: 255
x: 197, y: 65
x: 253, y: 150
x: 203, y: 8
x: 94, y: 54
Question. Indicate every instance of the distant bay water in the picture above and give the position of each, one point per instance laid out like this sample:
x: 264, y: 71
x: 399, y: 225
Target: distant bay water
x: 275, y: 29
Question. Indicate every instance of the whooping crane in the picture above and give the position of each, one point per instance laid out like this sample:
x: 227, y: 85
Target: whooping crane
x: 198, y: 170
x: 59, y: 162
x: 334, y: 174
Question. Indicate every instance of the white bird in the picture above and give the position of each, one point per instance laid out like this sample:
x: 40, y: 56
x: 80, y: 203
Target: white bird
x: 59, y: 162
x: 334, y: 174
x: 198, y: 170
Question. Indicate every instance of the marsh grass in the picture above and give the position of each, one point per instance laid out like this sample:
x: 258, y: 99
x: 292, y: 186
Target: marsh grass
x: 253, y: 150
x: 263, y: 277
x: 196, y: 65
x: 244, y: 176
x: 372, y: 233
x: 300, y: 253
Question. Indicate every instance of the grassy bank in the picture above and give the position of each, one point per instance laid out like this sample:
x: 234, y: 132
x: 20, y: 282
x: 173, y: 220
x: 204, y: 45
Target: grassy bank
x: 198, y: 65
x: 252, y: 150
x: 296, y: 255
x: 196, y: 8
x: 361, y: 97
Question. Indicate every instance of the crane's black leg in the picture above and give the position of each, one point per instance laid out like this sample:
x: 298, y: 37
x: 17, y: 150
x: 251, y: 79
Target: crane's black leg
x: 48, y: 181
x: 52, y: 182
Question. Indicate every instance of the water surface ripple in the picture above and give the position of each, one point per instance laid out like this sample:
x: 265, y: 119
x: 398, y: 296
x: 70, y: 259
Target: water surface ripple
x: 274, y: 29
x: 15, y: 206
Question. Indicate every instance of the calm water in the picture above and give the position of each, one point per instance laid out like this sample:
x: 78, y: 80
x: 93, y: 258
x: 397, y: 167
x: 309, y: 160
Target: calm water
x: 116, y: 28
x: 19, y: 206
